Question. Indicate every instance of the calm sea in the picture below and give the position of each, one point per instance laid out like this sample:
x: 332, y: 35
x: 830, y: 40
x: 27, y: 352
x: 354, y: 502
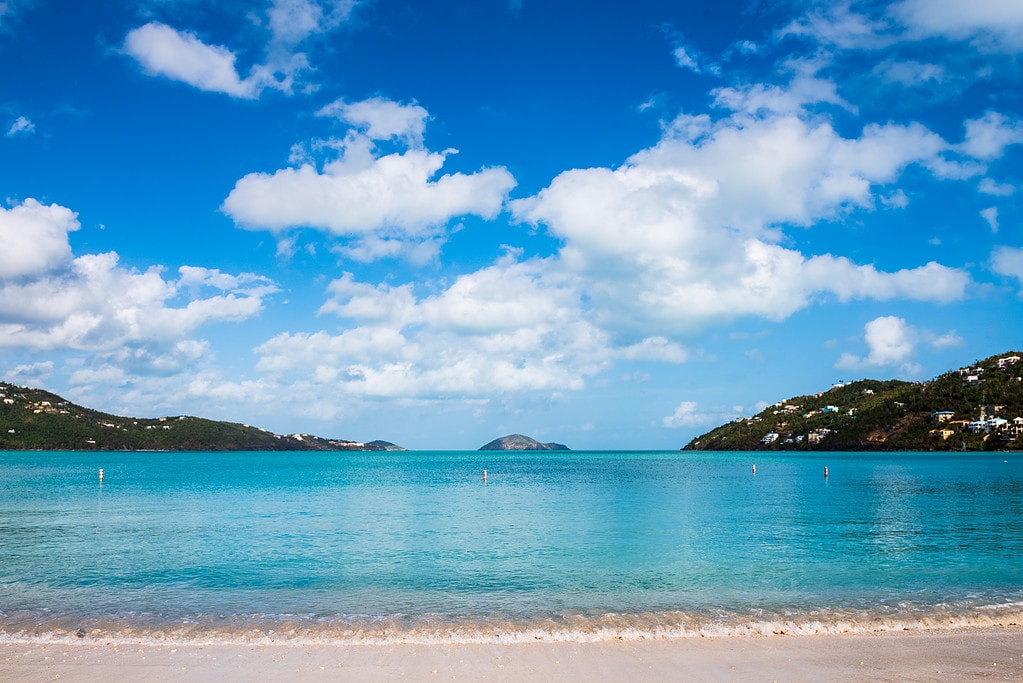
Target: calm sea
x: 416, y: 546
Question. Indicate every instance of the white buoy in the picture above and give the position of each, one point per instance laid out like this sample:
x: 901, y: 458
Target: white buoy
x: 484, y: 476
x: 101, y: 475
x: 754, y: 469
x: 825, y: 472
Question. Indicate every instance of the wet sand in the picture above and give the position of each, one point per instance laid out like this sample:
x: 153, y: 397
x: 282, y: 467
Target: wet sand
x: 968, y: 654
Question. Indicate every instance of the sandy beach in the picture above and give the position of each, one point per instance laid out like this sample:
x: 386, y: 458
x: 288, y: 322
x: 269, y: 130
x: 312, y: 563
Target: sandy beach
x: 969, y: 654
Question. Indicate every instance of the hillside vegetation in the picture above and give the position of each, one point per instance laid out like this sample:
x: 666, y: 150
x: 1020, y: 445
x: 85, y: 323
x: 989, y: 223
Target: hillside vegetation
x: 978, y: 407
x: 33, y: 419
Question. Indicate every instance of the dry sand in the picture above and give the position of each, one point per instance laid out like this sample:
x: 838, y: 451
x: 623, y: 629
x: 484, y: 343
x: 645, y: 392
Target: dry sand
x: 992, y: 654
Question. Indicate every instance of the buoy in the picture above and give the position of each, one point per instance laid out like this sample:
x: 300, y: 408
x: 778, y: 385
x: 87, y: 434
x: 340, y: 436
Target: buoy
x: 484, y: 476
x: 754, y: 469
x: 101, y: 475
x: 825, y: 472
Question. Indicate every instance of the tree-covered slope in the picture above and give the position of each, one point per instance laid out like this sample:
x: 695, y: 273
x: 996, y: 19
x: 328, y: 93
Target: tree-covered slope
x: 33, y: 419
x: 978, y: 407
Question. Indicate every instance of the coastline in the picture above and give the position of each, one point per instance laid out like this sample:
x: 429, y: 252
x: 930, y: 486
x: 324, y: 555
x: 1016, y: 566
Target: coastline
x: 938, y: 655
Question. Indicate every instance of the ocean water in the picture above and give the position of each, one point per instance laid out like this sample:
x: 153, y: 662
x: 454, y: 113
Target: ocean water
x: 416, y: 546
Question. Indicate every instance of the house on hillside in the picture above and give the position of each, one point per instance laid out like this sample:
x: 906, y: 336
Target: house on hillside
x: 943, y: 415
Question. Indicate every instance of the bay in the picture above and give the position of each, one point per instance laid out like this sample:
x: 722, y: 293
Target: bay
x: 576, y: 545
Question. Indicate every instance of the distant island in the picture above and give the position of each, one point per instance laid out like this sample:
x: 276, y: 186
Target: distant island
x: 518, y: 442
x: 977, y: 407
x: 34, y: 419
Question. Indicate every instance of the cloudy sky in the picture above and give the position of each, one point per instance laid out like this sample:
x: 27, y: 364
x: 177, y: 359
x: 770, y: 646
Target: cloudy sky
x: 608, y: 224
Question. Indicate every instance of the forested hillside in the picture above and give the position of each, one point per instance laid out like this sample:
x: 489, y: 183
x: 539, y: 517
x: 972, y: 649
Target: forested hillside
x: 977, y: 407
x: 33, y: 419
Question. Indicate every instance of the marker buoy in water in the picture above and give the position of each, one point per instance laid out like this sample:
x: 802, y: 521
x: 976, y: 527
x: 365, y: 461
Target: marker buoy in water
x: 825, y: 472
x: 754, y: 469
x: 484, y: 476
x: 101, y: 475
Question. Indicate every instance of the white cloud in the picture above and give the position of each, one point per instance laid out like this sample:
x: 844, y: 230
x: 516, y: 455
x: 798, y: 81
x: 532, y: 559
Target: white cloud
x: 990, y: 25
x: 685, y: 415
x: 911, y: 73
x: 1008, y: 261
x: 685, y: 232
x: 990, y: 215
x: 686, y: 60
x: 292, y: 21
x: 994, y: 188
x: 382, y: 119
x: 994, y: 25
x: 34, y: 238
x: 656, y: 349
x: 21, y: 126
x: 836, y: 24
x: 31, y: 374
x: 987, y: 137
x: 50, y: 299
x: 397, y: 193
x: 511, y: 327
x: 182, y: 56
x: 892, y: 342
x: 392, y: 204
x: 805, y: 88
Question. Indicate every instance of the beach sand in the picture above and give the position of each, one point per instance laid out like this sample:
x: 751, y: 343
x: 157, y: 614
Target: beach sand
x: 968, y: 654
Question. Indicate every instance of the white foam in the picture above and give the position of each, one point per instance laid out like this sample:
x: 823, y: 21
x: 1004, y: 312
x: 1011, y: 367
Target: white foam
x: 563, y: 628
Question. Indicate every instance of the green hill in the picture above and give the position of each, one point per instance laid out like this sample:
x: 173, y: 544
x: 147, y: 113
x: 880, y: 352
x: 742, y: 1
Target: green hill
x: 33, y: 419
x: 979, y: 407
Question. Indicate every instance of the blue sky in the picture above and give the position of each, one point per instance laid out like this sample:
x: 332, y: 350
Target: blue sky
x: 612, y: 225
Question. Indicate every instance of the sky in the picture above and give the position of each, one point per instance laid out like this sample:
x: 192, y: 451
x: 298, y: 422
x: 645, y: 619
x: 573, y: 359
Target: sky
x: 610, y: 225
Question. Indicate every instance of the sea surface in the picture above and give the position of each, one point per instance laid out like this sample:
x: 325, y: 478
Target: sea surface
x: 417, y: 547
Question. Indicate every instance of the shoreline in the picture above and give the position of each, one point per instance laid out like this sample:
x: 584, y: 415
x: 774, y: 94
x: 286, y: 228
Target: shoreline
x: 951, y: 654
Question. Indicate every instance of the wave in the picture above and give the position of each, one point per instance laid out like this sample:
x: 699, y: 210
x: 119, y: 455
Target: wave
x: 425, y: 629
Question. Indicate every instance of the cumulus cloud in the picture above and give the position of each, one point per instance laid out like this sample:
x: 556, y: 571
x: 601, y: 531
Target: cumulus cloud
x: 383, y: 200
x: 53, y: 300
x: 34, y: 238
x: 381, y: 119
x: 987, y: 137
x: 685, y: 232
x: 511, y: 327
x: 397, y: 192
x: 892, y: 343
x: 181, y: 55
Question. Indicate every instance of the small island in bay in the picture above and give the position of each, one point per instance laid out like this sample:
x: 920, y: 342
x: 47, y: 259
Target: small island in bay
x: 976, y: 407
x: 518, y: 442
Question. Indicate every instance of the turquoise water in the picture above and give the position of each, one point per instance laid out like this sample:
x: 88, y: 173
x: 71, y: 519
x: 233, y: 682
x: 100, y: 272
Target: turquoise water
x: 566, y: 545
